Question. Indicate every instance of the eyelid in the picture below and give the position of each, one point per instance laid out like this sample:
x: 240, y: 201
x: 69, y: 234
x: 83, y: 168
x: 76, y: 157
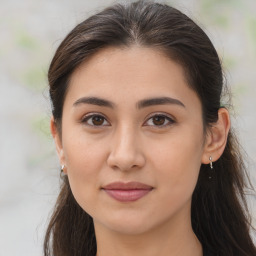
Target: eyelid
x: 171, y: 120
x: 86, y: 117
x: 165, y: 115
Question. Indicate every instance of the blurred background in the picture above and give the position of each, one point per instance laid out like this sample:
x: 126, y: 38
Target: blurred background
x: 30, y: 32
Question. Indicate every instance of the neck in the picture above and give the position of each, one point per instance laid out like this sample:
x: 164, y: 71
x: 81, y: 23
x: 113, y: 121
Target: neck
x: 176, y: 239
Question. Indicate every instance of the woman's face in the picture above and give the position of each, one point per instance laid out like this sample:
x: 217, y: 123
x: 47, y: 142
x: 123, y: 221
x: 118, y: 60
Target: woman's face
x: 130, y: 116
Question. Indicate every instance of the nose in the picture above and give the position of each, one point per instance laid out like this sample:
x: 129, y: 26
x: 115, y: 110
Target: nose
x: 126, y: 153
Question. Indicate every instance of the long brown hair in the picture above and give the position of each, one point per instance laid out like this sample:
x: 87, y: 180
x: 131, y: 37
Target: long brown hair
x: 219, y: 212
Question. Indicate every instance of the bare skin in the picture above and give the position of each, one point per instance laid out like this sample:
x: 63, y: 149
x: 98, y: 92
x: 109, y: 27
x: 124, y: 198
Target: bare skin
x: 127, y: 137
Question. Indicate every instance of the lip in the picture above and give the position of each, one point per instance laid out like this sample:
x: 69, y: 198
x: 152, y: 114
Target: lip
x: 127, y: 192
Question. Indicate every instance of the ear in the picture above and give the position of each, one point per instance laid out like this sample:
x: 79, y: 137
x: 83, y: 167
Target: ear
x: 216, y: 137
x: 58, y: 143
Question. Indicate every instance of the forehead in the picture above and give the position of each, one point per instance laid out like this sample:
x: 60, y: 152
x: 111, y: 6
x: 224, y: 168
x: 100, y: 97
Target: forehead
x: 124, y: 61
x: 130, y: 73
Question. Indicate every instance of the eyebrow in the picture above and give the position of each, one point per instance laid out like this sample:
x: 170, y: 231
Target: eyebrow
x: 159, y: 101
x: 141, y: 104
x: 94, y: 101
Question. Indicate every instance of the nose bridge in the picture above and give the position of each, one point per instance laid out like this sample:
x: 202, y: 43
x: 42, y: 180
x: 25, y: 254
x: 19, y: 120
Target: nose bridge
x: 126, y: 137
x: 125, y: 150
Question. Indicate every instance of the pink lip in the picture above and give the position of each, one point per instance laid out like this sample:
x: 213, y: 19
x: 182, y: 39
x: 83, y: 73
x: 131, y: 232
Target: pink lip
x: 126, y: 192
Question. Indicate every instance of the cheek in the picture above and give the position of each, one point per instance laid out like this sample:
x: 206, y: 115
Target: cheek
x: 84, y: 159
x: 177, y: 161
x: 83, y: 155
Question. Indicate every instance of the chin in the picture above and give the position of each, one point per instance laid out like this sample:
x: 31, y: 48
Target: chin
x: 130, y: 228
x: 128, y: 223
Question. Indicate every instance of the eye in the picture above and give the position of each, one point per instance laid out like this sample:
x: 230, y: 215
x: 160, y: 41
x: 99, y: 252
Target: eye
x: 95, y: 120
x: 160, y: 120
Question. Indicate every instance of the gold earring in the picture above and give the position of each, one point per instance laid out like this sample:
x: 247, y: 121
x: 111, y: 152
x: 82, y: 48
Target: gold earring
x: 62, y: 168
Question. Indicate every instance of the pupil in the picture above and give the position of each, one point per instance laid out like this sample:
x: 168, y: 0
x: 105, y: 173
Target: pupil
x: 158, y: 120
x: 97, y: 120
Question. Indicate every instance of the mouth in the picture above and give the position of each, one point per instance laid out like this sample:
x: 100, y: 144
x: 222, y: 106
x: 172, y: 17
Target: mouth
x: 127, y: 192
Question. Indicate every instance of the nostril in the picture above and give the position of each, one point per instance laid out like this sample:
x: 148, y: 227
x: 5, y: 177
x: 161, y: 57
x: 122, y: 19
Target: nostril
x: 125, y: 152
x: 125, y: 162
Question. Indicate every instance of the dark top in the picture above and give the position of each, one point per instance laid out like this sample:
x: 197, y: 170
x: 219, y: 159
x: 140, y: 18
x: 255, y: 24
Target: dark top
x: 208, y: 253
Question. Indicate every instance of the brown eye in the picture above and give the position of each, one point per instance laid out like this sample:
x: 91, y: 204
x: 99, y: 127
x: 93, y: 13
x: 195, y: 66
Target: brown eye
x: 95, y: 120
x: 158, y: 120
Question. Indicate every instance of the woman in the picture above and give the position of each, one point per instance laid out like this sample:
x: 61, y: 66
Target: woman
x: 150, y: 164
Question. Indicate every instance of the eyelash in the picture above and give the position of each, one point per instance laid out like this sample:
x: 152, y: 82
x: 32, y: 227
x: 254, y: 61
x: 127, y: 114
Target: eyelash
x: 167, y: 118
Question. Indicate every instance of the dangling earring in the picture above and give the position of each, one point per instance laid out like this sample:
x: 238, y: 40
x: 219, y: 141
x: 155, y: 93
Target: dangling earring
x: 211, y: 166
x: 210, y: 158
